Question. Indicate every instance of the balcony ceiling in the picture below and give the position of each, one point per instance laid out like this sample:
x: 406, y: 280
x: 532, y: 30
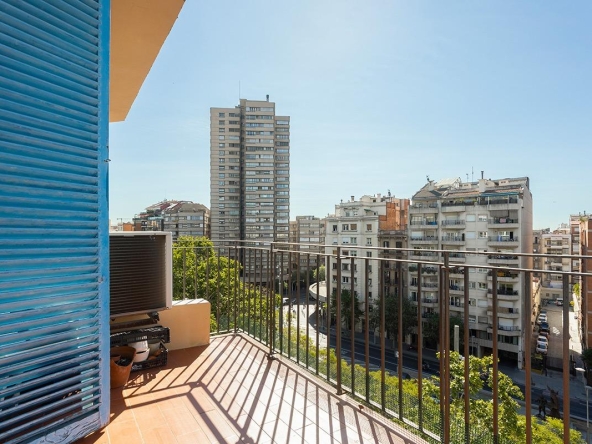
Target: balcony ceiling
x: 138, y: 31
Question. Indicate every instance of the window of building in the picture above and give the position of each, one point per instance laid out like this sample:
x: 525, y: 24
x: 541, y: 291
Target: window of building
x: 470, y: 218
x: 334, y: 228
x: 353, y: 227
x: 368, y: 254
x: 482, y: 218
x: 369, y: 241
x: 368, y: 227
x: 345, y: 227
x: 221, y: 115
x: 220, y: 137
x: 482, y: 234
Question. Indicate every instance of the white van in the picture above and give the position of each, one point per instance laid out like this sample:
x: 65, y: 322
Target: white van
x: 559, y: 302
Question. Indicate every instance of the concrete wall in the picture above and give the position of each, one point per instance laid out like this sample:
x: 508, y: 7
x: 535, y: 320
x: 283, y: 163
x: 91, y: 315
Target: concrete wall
x: 189, y: 322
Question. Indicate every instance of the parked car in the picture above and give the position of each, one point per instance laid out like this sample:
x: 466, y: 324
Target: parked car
x: 544, y: 334
x: 542, y: 348
x: 543, y: 339
x: 544, y: 328
x: 559, y: 302
x: 542, y: 318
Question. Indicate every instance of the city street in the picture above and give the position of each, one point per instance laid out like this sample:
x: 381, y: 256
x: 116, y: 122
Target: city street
x: 577, y: 403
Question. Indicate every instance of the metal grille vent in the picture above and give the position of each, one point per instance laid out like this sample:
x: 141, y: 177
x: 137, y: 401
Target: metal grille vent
x: 138, y: 269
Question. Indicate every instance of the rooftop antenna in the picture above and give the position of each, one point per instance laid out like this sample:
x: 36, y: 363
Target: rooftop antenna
x: 427, y: 178
x: 467, y: 177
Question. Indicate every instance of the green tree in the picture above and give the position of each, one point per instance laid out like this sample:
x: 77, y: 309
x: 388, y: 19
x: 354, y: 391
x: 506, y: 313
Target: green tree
x: 431, y: 329
x: 511, y: 425
x: 346, y: 308
x: 391, y: 306
x: 198, y: 272
x: 321, y: 276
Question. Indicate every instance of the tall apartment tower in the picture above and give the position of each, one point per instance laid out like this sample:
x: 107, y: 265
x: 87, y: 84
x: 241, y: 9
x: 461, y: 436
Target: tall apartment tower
x: 492, y: 216
x: 249, y: 174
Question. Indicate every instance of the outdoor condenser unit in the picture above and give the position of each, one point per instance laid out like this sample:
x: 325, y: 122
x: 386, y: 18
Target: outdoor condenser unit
x: 141, y: 272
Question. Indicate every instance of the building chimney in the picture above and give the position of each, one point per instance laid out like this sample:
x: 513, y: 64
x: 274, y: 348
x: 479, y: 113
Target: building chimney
x: 482, y: 174
x: 378, y: 195
x: 352, y: 198
x: 267, y: 97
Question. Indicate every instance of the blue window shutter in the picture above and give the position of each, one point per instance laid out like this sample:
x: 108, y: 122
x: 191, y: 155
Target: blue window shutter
x: 54, y: 301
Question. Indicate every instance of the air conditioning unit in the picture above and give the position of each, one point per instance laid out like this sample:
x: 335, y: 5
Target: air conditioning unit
x: 141, y: 272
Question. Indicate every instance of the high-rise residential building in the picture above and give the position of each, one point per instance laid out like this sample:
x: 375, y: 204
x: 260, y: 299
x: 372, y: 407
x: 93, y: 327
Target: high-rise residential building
x: 249, y: 174
x: 492, y: 216
x: 309, y: 233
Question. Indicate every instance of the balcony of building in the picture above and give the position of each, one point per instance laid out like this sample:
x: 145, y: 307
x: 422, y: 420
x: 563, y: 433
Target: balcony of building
x: 423, y: 207
x: 504, y: 276
x: 268, y: 374
x: 504, y: 294
x: 457, y: 257
x: 423, y: 240
x: 453, y: 224
x: 453, y: 240
x: 424, y: 223
x: 425, y: 270
x: 503, y: 222
x: 423, y: 255
x: 456, y: 289
x: 504, y: 259
x: 500, y: 203
x: 503, y: 241
x: 428, y: 302
x: 453, y: 207
x: 504, y: 312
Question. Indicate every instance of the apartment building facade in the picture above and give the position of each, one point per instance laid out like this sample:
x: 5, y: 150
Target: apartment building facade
x: 309, y: 233
x: 392, y: 233
x: 585, y: 233
x: 488, y: 216
x: 187, y: 219
x: 353, y: 231
x: 249, y: 174
x: 554, y: 246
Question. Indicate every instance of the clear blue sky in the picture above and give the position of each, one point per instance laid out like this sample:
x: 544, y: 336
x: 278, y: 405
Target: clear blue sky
x: 381, y: 94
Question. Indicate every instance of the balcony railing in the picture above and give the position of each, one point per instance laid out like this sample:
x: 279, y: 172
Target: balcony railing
x: 502, y: 221
x: 246, y: 297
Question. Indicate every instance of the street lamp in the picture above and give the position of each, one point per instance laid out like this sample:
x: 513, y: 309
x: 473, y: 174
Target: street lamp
x: 587, y: 387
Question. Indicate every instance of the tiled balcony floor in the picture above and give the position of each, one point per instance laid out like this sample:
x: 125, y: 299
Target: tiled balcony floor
x: 229, y: 392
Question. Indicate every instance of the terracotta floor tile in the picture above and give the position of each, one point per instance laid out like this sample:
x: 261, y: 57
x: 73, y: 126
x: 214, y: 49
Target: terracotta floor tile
x: 215, y: 426
x: 180, y: 421
x: 124, y: 432
x: 158, y: 435
x: 196, y: 437
x: 229, y: 392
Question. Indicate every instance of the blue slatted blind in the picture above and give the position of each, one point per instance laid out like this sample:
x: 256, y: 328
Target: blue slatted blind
x: 52, y: 176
